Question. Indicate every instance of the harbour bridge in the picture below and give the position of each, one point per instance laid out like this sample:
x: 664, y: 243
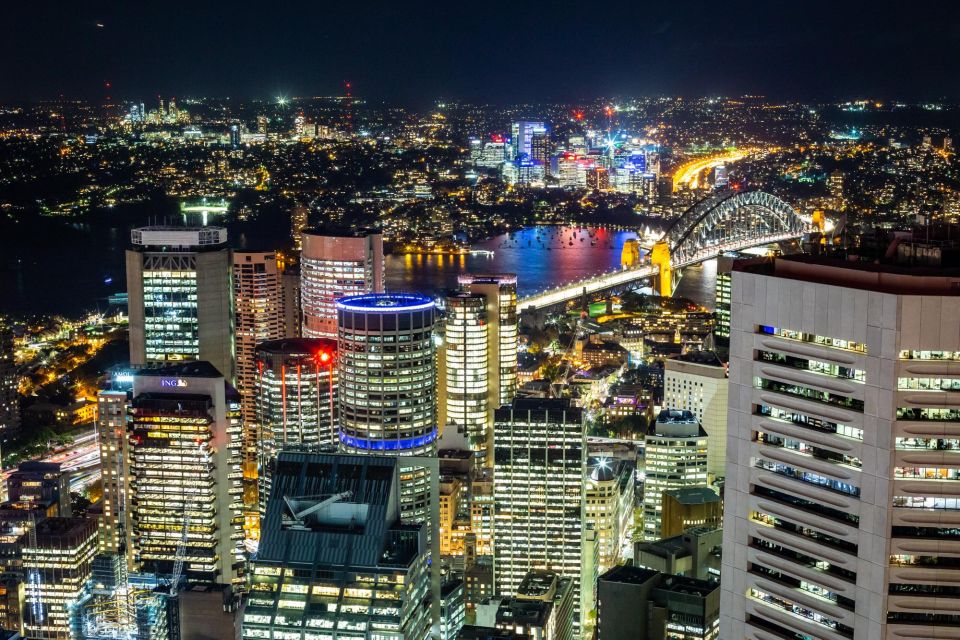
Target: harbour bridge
x: 723, y: 222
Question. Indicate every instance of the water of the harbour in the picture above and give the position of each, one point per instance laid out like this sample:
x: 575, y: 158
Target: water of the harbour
x: 72, y: 270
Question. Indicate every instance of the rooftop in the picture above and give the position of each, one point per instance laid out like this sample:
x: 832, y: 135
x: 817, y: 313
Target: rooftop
x: 191, y: 369
x: 386, y: 302
x: 709, y: 358
x: 693, y: 495
x: 298, y: 346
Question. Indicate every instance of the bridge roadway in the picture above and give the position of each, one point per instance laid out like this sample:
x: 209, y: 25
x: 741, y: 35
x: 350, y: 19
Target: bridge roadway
x: 628, y: 275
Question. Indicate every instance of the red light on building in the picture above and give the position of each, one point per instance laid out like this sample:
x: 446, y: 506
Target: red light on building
x: 323, y: 357
x: 578, y: 115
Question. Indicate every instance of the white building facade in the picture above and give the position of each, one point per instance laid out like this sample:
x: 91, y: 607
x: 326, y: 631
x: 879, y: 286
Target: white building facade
x: 842, y: 498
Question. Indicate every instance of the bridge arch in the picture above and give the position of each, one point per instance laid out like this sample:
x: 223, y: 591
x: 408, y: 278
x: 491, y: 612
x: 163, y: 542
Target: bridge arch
x: 724, y: 221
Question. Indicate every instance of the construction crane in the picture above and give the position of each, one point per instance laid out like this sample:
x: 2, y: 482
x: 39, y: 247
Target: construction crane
x: 181, y: 552
x: 297, y: 518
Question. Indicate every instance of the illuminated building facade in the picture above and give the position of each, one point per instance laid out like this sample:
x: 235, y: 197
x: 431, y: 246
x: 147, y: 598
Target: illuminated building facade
x: 387, y: 397
x: 521, y: 138
x: 185, y: 473
x: 696, y: 381
x: 676, y: 457
x: 608, y: 505
x: 181, y: 296
x: 112, y: 437
x: 349, y: 569
x: 259, y: 304
x: 57, y: 562
x: 724, y: 269
x: 480, y: 372
x: 295, y: 393
x: 841, y: 513
x: 334, y: 266
x: 539, y: 467
x: 9, y: 395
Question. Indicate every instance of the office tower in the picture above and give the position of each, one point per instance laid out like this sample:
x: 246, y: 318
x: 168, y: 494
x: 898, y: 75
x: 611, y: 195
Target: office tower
x: 689, y: 507
x: 540, y: 150
x: 9, y: 393
x: 841, y: 508
x: 334, y: 557
x: 43, y: 485
x: 609, y: 494
x: 494, y: 154
x: 180, y: 296
x: 696, y: 381
x: 185, y: 473
x: 258, y: 301
x: 452, y: 610
x: 539, y: 466
x: 641, y: 604
x: 387, y: 397
x: 480, y: 372
x: 676, y: 457
x: 262, y: 124
x: 295, y: 393
x: 720, y: 178
x: 112, y: 407
x: 598, y: 178
x: 12, y: 595
x: 722, y: 297
x: 235, y: 134
x: 57, y: 561
x: 334, y: 266
x: 521, y: 138
x: 480, y: 357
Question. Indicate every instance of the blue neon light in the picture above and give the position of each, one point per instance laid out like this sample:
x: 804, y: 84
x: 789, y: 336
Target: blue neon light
x: 400, y: 444
x: 386, y: 302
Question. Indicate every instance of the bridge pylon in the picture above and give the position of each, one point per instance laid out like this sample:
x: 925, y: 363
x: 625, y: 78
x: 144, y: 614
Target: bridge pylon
x: 660, y: 257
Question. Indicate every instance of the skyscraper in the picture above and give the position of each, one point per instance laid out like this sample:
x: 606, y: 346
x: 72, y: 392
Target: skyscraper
x: 676, y: 457
x: 334, y: 266
x: 185, y: 472
x: 180, y: 296
x: 295, y: 401
x: 9, y: 394
x: 539, y: 467
x: 335, y: 560
x: 841, y: 507
x: 111, y: 427
x: 697, y: 382
x: 387, y: 377
x: 480, y: 368
x: 57, y: 562
x: 258, y: 301
x: 521, y: 138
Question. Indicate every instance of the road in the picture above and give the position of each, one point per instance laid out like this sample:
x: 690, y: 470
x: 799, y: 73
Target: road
x: 81, y: 459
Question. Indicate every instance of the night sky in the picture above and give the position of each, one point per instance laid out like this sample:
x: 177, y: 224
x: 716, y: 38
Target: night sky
x: 416, y: 52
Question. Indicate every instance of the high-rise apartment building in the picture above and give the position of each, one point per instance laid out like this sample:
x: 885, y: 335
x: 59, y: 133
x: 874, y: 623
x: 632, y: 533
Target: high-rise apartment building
x: 675, y: 457
x: 334, y: 266
x: 539, y: 466
x: 112, y: 407
x: 9, y: 393
x: 696, y: 381
x: 185, y: 473
x: 841, y: 502
x: 259, y: 312
x: 181, y: 297
x: 296, y: 396
x: 57, y: 562
x: 335, y: 560
x: 386, y: 367
x: 480, y: 357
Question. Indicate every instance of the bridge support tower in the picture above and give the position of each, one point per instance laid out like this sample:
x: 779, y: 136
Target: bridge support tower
x: 660, y: 257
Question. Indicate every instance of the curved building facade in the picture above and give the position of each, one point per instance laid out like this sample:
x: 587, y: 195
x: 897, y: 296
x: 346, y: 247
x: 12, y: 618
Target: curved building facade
x: 295, y: 401
x: 466, y: 371
x: 387, y: 374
